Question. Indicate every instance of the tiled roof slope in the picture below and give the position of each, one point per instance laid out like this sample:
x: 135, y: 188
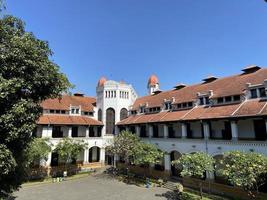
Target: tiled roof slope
x: 232, y: 85
x: 64, y: 102
x: 67, y: 120
x: 227, y: 86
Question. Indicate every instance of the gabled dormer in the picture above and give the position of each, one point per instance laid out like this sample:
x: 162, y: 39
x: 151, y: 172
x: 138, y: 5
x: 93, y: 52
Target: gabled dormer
x: 204, y: 98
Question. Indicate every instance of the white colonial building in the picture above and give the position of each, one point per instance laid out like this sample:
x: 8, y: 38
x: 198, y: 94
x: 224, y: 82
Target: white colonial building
x: 214, y: 116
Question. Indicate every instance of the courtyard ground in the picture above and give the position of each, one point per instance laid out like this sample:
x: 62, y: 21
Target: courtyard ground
x: 91, y: 187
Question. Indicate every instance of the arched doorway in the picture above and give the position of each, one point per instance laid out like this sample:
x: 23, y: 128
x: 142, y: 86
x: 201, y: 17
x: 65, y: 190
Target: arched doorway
x: 94, y: 154
x: 110, y: 121
x: 123, y: 113
x: 176, y: 169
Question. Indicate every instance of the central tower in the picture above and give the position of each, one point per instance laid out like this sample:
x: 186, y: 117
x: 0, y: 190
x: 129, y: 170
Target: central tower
x: 113, y: 102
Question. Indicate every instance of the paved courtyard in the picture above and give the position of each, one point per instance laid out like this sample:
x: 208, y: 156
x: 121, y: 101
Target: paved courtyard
x: 98, y: 187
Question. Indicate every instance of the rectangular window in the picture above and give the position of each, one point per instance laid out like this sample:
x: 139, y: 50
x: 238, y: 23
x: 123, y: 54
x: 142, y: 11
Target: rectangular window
x: 74, y: 131
x: 52, y: 111
x: 190, y: 104
x: 237, y: 98
x: 75, y: 111
x: 253, y: 93
x: 179, y: 105
x: 228, y: 99
x: 220, y: 100
x: 262, y: 92
x: 201, y: 101
x: 63, y: 111
x: 57, y: 111
x: 57, y: 132
x: 207, y: 100
x: 184, y: 105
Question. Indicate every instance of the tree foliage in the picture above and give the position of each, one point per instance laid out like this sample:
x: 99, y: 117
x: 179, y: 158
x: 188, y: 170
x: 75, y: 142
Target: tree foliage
x: 133, y: 151
x: 124, y: 145
x: 245, y: 169
x: 196, y: 164
x: 38, y: 150
x: 27, y: 77
x: 147, y: 154
x: 69, y: 149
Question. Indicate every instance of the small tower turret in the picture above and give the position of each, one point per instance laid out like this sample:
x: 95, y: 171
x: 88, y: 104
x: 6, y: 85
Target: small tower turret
x: 152, y: 84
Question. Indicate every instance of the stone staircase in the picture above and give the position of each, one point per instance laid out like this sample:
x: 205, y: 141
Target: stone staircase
x: 171, y: 184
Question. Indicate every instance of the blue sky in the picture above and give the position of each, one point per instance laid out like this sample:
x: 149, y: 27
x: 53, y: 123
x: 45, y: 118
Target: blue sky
x: 178, y: 40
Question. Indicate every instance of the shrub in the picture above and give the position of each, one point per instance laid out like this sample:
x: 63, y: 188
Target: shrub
x: 179, y: 187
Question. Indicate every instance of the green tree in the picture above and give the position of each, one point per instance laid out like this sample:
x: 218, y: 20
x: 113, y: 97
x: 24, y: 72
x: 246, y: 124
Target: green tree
x: 125, y: 145
x: 133, y: 151
x: 27, y: 77
x: 38, y: 150
x: 196, y: 165
x: 245, y: 169
x: 69, y: 149
x: 147, y: 154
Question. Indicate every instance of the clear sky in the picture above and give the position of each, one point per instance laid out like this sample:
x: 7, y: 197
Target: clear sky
x: 178, y: 40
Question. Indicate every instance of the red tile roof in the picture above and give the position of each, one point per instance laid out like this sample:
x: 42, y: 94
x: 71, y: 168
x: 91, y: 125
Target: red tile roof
x: 228, y: 86
x: 244, y: 109
x: 231, y: 85
x: 67, y: 120
x: 63, y: 103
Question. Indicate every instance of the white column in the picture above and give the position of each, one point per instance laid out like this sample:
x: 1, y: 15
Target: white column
x: 234, y: 129
x: 184, y: 130
x: 137, y: 130
x: 47, y: 131
x: 87, y: 132
x: 206, y: 129
x: 70, y: 131
x: 48, y: 162
x: 85, y: 156
x: 167, y: 162
x: 102, y: 155
x: 165, y: 131
x: 150, y: 131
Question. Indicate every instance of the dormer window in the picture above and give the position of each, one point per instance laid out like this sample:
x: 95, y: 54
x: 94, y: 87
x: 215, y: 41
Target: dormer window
x: 201, y: 101
x: 262, y: 92
x: 75, y: 110
x: 167, y: 105
x: 253, y: 93
x: 142, y: 109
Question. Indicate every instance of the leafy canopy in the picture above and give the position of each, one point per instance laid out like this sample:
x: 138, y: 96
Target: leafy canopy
x: 195, y: 164
x: 129, y: 147
x: 69, y: 149
x: 147, y: 154
x: 27, y: 77
x: 38, y: 149
x: 245, y: 169
x: 124, y: 145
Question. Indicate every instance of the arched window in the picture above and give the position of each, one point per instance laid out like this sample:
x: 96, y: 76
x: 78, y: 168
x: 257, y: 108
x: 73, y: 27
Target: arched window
x: 123, y: 113
x: 110, y: 121
x: 99, y: 117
